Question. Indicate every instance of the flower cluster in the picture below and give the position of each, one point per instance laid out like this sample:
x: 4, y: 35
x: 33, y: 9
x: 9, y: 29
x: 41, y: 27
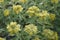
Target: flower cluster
x: 17, y: 8
x: 23, y: 1
x: 45, y: 15
x: 52, y: 16
x: 1, y: 1
x: 55, y: 1
x: 36, y: 38
x: 50, y: 34
x: 32, y: 10
x: 31, y: 29
x: 13, y: 28
x: 2, y: 38
x: 6, y: 12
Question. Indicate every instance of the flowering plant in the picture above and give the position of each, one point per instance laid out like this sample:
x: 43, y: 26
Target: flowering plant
x: 29, y: 20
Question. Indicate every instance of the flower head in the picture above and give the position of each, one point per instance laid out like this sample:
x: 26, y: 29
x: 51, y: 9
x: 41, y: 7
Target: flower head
x: 55, y: 1
x: 32, y: 10
x: 1, y: 1
x: 2, y: 38
x: 13, y: 28
x: 36, y: 38
x: 50, y: 34
x: 6, y: 12
x: 23, y: 1
x: 44, y: 15
x: 17, y: 8
x: 52, y: 16
x: 31, y: 29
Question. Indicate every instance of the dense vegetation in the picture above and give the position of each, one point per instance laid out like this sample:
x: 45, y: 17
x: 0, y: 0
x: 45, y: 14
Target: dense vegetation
x: 29, y: 19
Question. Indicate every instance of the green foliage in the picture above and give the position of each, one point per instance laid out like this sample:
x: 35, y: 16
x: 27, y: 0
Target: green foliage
x: 51, y: 27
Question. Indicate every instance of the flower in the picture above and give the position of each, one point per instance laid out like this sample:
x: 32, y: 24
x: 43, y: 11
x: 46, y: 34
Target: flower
x: 23, y: 1
x: 32, y: 10
x: 52, y: 16
x: 55, y: 1
x: 2, y: 38
x: 6, y: 12
x: 31, y: 29
x: 36, y: 38
x: 13, y: 28
x: 1, y: 1
x: 17, y: 8
x: 50, y: 34
x: 14, y: 0
x: 44, y: 15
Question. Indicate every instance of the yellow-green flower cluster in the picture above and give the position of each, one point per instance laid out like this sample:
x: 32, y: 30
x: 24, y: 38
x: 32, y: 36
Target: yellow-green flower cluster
x: 1, y: 1
x: 17, y: 8
x: 44, y: 15
x: 13, y: 28
x: 14, y: 0
x: 36, y: 38
x: 52, y: 16
x: 55, y: 1
x: 31, y: 29
x: 2, y: 38
x: 23, y: 1
x: 50, y: 34
x: 6, y: 12
x: 32, y: 10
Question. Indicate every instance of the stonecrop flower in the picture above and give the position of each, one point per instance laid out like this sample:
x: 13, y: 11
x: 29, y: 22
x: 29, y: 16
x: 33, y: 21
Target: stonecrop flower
x: 2, y: 38
x: 1, y: 1
x: 52, y: 16
x: 55, y: 1
x: 32, y: 10
x: 14, y: 0
x: 17, y: 8
x: 44, y: 15
x: 50, y: 34
x: 31, y: 29
x: 36, y: 38
x: 6, y: 12
x: 13, y: 28
x: 23, y: 1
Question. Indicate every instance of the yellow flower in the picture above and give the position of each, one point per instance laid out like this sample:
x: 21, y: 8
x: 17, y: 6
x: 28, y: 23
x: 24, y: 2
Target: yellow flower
x: 32, y: 10
x: 14, y: 0
x: 17, y: 8
x: 44, y: 15
x: 1, y: 1
x: 13, y: 28
x: 6, y: 12
x: 31, y: 29
x: 36, y: 38
x: 23, y: 1
x: 2, y: 38
x: 52, y: 16
x: 50, y: 34
x: 55, y: 1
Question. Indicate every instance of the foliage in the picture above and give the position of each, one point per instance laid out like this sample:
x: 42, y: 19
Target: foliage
x: 29, y: 19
